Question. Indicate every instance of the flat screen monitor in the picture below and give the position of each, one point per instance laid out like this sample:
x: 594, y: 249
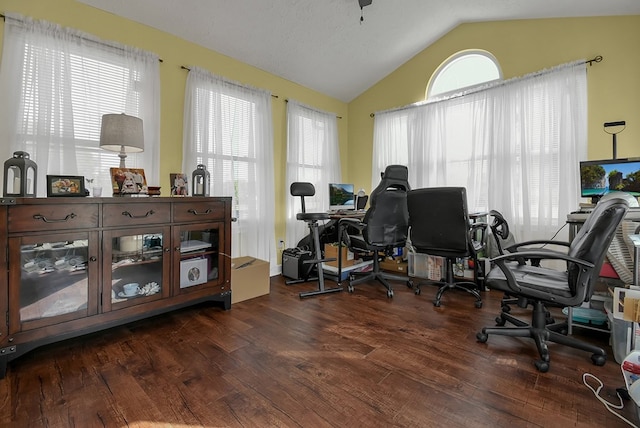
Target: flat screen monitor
x: 599, y: 177
x: 341, y: 196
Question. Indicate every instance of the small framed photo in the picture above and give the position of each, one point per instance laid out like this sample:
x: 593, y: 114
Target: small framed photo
x: 65, y: 185
x: 128, y: 181
x: 179, y: 184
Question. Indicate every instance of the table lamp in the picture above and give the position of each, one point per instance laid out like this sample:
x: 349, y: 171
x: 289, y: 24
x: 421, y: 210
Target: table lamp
x: 121, y: 133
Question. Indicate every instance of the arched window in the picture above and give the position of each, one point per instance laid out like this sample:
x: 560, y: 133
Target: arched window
x: 463, y: 70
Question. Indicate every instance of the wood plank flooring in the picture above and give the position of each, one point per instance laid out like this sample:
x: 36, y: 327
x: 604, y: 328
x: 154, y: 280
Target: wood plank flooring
x: 338, y: 360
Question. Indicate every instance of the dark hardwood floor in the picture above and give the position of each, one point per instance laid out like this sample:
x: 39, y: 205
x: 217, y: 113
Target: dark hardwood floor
x: 339, y: 360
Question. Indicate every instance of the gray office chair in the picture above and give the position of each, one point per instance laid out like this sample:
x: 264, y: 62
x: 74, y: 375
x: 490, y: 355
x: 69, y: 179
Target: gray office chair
x: 303, y: 189
x: 384, y: 227
x: 440, y: 226
x: 544, y: 286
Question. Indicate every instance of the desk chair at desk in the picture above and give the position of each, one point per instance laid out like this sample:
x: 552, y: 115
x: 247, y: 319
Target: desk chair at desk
x: 384, y: 227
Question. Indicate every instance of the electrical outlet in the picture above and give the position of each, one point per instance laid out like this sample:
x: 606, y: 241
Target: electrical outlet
x: 281, y: 244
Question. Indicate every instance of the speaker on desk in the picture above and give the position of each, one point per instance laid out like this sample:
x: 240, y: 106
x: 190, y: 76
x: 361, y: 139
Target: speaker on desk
x: 361, y: 199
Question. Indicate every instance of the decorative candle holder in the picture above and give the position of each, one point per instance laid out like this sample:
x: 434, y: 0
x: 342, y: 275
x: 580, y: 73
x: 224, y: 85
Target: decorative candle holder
x: 20, y: 175
x: 200, y: 180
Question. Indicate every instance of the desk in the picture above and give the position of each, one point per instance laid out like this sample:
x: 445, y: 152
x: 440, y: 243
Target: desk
x: 577, y: 218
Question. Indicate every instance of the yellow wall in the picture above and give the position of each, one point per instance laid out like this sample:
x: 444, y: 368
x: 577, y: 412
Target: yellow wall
x: 522, y: 47
x: 176, y: 52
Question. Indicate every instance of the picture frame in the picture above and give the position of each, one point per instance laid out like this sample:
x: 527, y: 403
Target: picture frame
x: 128, y: 181
x: 65, y: 186
x: 179, y: 184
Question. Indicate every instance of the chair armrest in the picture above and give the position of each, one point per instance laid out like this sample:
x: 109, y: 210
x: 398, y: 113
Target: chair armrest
x: 514, y: 247
x: 343, y: 223
x: 474, y: 228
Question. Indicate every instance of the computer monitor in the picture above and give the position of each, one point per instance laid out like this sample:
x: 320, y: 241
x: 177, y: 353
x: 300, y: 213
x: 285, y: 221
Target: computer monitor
x: 599, y: 177
x: 341, y: 196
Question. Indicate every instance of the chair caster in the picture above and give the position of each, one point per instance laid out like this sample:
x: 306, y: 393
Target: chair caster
x: 478, y: 303
x: 389, y: 293
x: 417, y: 291
x: 542, y: 366
x: 350, y: 288
x: 506, y: 308
x: 500, y: 321
x: 482, y: 337
x: 437, y: 303
x: 598, y: 360
x: 410, y: 284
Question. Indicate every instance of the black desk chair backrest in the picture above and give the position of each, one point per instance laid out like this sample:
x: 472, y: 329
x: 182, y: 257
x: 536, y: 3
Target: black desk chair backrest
x: 387, y: 218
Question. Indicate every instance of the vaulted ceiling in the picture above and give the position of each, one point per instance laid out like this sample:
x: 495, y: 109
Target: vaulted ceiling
x: 323, y: 44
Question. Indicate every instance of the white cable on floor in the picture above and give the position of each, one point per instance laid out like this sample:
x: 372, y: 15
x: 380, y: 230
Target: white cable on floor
x: 607, y: 405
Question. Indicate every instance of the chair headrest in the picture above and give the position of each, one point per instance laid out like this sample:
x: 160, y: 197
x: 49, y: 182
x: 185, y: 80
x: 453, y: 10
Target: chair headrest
x: 396, y: 172
x: 302, y: 189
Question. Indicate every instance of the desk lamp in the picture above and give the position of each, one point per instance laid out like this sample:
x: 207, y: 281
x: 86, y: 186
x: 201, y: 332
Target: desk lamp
x: 121, y: 133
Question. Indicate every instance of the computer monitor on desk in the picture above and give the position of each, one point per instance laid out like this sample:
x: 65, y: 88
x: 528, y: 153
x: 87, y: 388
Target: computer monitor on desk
x: 341, y: 197
x: 599, y: 177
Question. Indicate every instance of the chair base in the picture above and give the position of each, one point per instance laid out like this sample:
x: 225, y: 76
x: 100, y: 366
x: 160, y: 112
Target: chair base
x: 541, y: 332
x: 449, y: 283
x: 377, y: 275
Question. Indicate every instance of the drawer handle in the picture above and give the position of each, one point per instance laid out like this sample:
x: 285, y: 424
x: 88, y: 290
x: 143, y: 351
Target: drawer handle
x: 194, y: 212
x: 60, y: 220
x: 128, y: 214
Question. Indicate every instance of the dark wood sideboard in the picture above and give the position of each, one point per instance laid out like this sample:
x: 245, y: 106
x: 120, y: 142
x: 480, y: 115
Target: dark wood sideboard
x: 74, y: 265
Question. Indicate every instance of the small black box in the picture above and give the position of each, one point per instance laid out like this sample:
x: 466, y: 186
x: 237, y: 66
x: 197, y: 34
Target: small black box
x: 293, y: 265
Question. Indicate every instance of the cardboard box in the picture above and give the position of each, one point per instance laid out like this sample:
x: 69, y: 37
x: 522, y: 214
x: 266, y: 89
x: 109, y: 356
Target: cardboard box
x: 394, y: 265
x: 193, y: 272
x: 331, y: 251
x: 249, y: 278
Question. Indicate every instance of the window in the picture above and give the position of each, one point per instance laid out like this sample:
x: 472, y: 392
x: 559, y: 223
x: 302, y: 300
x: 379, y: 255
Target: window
x: 229, y: 129
x: 67, y: 81
x: 463, y: 70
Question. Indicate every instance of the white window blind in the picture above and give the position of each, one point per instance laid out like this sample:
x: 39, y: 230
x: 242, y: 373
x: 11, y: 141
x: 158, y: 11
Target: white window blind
x: 66, y: 81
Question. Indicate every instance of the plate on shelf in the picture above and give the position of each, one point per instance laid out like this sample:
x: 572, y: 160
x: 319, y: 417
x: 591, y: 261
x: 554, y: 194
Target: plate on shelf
x: 126, y: 296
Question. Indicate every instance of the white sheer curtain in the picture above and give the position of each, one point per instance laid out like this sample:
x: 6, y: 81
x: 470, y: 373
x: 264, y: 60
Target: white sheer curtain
x: 228, y: 127
x: 515, y: 146
x: 56, y: 83
x: 312, y: 156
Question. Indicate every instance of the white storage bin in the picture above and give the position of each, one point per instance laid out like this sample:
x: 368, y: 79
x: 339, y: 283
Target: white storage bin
x: 621, y: 335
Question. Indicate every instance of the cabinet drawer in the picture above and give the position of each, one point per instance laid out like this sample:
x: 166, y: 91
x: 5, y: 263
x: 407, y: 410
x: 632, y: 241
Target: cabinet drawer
x: 25, y: 218
x: 135, y: 214
x: 198, y: 211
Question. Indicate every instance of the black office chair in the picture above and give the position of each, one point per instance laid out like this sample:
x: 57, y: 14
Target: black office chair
x: 440, y: 226
x: 544, y: 286
x: 307, y: 189
x: 384, y: 227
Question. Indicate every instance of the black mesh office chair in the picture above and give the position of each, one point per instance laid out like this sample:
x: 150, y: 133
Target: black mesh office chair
x: 307, y: 189
x: 544, y: 286
x: 384, y: 227
x: 440, y: 226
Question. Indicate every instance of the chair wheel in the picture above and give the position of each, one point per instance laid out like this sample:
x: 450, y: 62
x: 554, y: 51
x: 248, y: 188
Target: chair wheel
x: 410, y: 284
x: 505, y: 308
x: 542, y: 366
x: 417, y: 291
x: 350, y: 288
x: 598, y: 360
x: 500, y: 321
x: 482, y: 337
x: 478, y: 303
x: 389, y: 293
x: 437, y: 303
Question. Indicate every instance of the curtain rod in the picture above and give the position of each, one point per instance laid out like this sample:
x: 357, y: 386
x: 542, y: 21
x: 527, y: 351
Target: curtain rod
x: 231, y: 83
x: 287, y: 100
x: 93, y: 40
x: 596, y: 59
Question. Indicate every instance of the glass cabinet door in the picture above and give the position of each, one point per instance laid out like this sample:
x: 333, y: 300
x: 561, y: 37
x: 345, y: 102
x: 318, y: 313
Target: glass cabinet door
x: 52, y: 279
x: 200, y: 261
x: 135, y: 266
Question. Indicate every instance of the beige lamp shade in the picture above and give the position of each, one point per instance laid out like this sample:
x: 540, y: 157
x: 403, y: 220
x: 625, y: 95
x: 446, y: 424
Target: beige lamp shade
x: 121, y: 133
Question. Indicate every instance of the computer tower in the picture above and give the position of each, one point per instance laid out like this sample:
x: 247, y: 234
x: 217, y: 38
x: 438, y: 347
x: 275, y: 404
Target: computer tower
x: 293, y: 265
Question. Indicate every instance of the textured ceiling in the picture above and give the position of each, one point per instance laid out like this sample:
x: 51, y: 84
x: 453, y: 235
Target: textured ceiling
x: 321, y: 44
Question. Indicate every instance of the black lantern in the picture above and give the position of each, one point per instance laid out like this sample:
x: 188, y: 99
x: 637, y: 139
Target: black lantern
x: 20, y: 174
x: 200, y: 180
